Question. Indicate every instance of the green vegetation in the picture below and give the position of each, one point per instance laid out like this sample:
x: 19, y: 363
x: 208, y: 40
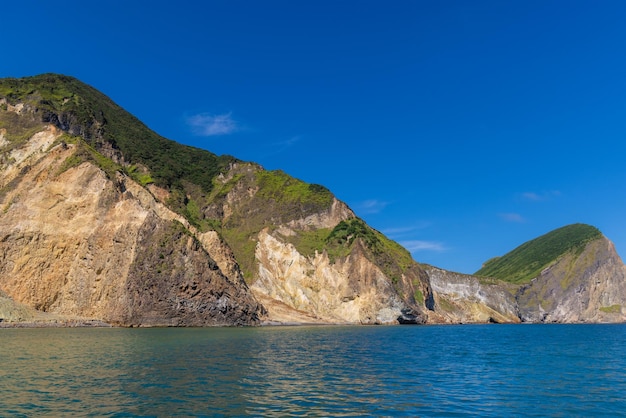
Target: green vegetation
x: 612, y: 309
x: 266, y: 199
x: 107, y: 135
x: 528, y: 260
x: 284, y: 189
x: 391, y: 257
x: 140, y: 176
x: 18, y: 128
x: 446, y: 305
x: 85, y: 152
x: 309, y: 242
x: 419, y: 297
x: 82, y: 110
x: 347, y: 231
x: 220, y: 189
x: 243, y: 246
x: 71, y: 162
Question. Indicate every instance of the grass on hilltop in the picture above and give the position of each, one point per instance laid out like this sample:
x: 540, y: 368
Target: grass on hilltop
x: 528, y: 260
x: 84, y: 111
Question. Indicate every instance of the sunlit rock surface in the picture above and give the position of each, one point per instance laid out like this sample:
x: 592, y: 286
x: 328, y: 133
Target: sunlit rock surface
x: 76, y: 243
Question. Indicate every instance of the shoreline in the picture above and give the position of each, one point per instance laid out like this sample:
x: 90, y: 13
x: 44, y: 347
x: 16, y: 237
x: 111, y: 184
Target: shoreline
x: 87, y: 323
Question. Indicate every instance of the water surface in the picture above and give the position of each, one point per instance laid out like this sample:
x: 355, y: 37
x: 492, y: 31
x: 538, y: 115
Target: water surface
x: 485, y: 370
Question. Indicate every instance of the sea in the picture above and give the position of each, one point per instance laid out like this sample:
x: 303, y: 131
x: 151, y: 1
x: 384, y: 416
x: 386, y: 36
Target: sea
x: 315, y: 371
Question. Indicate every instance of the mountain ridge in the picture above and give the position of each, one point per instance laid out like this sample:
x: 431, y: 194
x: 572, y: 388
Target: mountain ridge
x: 242, y: 201
x: 527, y: 260
x: 104, y: 219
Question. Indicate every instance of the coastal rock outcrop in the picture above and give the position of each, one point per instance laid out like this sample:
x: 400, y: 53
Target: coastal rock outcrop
x: 352, y: 290
x: 589, y: 286
x: 461, y: 298
x: 76, y: 243
x: 102, y: 219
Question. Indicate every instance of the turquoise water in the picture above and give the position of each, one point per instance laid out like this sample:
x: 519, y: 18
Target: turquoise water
x: 461, y: 370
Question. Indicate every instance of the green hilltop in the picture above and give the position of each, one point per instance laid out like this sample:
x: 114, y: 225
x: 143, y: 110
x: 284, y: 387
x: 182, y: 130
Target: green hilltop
x: 109, y: 136
x: 81, y: 110
x: 116, y: 140
x: 527, y: 261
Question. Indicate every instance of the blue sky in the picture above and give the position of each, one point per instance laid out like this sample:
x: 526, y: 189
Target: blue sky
x: 460, y: 129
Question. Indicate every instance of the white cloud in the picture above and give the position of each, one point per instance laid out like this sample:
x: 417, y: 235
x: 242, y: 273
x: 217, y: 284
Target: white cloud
x: 539, y: 197
x: 205, y: 124
x: 512, y: 217
x: 418, y: 245
x: 400, y: 231
x: 531, y: 196
x: 371, y: 206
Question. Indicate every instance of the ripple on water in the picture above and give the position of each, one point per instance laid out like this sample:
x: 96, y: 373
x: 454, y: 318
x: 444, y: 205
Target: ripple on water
x: 496, y: 370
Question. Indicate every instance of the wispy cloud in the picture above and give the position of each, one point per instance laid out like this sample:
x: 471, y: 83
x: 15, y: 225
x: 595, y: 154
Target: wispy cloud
x: 539, y: 197
x: 512, y: 217
x: 371, y: 206
x: 288, y: 142
x: 419, y: 245
x: 404, y: 230
x: 205, y: 124
x: 531, y: 196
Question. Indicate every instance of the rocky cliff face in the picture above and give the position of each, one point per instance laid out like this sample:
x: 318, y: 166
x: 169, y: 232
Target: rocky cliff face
x: 461, y: 298
x: 102, y: 219
x: 585, y: 287
x: 78, y: 244
x: 296, y: 287
x: 353, y: 290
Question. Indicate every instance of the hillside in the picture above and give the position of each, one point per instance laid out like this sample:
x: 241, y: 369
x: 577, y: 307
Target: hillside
x: 72, y: 160
x: 104, y: 221
x: 529, y: 259
x: 80, y: 110
x: 570, y: 275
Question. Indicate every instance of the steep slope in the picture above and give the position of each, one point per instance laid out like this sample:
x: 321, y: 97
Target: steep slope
x: 572, y: 274
x: 461, y: 298
x: 301, y: 248
x: 584, y: 286
x: 529, y: 259
x: 80, y: 110
x: 79, y: 244
x: 103, y: 218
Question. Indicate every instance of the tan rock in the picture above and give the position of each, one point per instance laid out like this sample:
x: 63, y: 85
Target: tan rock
x: 353, y: 290
x: 79, y: 244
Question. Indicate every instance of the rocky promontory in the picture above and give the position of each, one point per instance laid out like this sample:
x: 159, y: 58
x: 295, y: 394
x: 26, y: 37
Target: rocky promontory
x: 103, y: 221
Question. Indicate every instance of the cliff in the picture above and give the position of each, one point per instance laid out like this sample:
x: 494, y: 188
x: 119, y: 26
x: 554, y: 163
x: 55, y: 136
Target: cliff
x: 570, y: 275
x: 587, y: 286
x: 76, y: 243
x: 101, y: 219
x: 461, y: 298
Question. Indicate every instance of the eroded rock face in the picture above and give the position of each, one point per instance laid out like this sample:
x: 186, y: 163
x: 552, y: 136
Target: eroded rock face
x: 350, y: 291
x: 74, y: 242
x: 589, y: 286
x: 172, y: 281
x: 461, y: 298
x: 585, y: 287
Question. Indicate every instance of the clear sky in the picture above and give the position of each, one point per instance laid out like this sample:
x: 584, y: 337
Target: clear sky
x: 460, y: 129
